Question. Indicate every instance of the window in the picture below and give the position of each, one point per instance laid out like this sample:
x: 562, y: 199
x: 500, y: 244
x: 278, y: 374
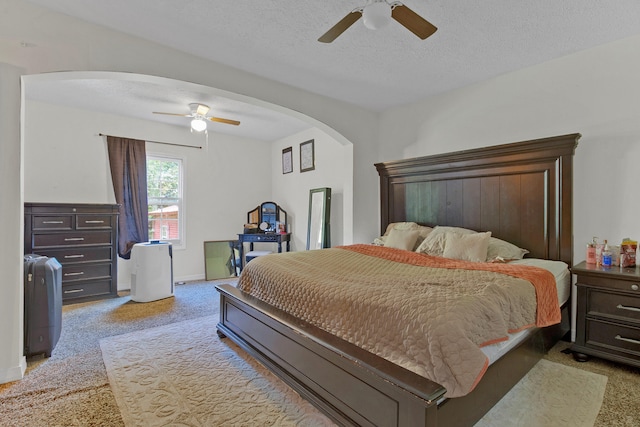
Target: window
x: 164, y: 196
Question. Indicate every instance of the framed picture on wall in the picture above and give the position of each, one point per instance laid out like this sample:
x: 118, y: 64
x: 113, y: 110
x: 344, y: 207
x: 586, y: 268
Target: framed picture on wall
x: 287, y: 160
x: 307, y: 156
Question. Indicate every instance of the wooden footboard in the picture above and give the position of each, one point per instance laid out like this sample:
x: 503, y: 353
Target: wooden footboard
x: 355, y: 387
x: 350, y: 385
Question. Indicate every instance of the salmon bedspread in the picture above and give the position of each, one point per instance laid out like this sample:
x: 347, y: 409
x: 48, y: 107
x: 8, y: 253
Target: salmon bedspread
x: 428, y: 314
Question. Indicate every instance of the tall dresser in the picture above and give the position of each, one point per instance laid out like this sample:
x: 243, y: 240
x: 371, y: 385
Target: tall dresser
x: 83, y: 238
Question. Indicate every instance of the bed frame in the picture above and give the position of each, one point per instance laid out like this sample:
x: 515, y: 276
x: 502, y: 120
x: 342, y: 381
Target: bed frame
x: 522, y: 192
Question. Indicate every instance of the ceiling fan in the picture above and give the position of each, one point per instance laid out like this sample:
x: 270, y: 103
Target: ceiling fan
x: 377, y: 14
x: 199, y: 117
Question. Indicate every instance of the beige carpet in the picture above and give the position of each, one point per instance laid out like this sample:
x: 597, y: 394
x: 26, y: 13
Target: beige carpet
x: 183, y: 374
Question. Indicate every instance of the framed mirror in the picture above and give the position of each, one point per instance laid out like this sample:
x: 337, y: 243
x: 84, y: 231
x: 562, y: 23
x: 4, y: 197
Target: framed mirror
x: 221, y: 259
x: 268, y: 216
x: 318, y: 228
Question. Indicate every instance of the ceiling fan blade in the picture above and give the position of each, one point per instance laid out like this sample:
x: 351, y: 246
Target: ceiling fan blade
x: 412, y: 21
x: 172, y: 114
x: 341, y: 26
x: 221, y: 120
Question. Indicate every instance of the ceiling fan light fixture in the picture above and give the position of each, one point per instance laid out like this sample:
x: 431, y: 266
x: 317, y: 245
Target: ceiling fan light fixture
x: 376, y: 15
x: 198, y: 124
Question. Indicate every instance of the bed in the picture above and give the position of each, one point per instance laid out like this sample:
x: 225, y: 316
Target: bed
x: 521, y: 192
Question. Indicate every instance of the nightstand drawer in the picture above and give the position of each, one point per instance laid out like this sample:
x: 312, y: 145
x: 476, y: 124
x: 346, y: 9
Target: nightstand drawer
x: 610, y: 283
x: 624, y: 307
x: 613, y: 337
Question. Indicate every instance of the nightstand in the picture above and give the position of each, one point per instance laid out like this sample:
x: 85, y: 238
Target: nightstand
x: 607, y: 313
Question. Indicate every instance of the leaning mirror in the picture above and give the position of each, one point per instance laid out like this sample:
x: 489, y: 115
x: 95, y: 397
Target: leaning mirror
x: 318, y: 233
x: 221, y: 259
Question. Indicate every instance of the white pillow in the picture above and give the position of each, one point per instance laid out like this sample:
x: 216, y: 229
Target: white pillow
x: 433, y: 244
x: 504, y: 250
x: 402, y: 239
x: 423, y: 231
x: 467, y: 247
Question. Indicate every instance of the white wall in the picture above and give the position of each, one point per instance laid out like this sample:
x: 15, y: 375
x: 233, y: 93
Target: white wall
x: 12, y: 362
x: 333, y: 169
x: 595, y: 93
x: 67, y: 161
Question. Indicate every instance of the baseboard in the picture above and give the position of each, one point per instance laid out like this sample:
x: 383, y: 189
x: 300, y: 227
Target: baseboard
x: 193, y: 277
x: 14, y: 373
x: 126, y: 287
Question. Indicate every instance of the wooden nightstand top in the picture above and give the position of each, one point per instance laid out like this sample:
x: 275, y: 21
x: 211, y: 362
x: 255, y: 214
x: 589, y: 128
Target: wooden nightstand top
x: 632, y: 273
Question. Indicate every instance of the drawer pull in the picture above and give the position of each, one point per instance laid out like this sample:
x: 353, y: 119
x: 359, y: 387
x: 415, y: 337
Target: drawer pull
x: 74, y: 239
x: 624, y: 307
x: 80, y: 273
x: 73, y: 291
x: 634, y: 287
x: 53, y: 222
x: 631, y: 340
x: 73, y: 256
x: 94, y: 221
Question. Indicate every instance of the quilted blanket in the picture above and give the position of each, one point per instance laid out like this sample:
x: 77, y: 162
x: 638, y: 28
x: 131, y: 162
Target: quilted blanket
x: 430, y: 315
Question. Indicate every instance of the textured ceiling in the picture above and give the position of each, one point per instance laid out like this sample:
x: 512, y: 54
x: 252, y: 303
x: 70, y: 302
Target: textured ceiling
x: 277, y: 39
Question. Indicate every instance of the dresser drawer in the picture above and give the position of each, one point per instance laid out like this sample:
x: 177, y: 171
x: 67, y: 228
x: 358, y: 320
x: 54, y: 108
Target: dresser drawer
x: 71, y: 239
x: 75, y: 272
x: 614, y: 337
x: 624, y: 307
x: 57, y: 222
x: 89, y: 222
x: 86, y: 289
x: 79, y: 255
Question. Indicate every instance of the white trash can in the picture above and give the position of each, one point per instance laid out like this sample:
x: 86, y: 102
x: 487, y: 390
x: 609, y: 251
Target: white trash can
x: 152, y: 271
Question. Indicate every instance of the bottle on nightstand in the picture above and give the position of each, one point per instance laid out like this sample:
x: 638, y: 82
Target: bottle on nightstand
x: 591, y: 251
x: 606, y: 255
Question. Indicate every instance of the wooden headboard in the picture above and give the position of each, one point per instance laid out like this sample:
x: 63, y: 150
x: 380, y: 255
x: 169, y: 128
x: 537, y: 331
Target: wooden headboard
x: 521, y: 192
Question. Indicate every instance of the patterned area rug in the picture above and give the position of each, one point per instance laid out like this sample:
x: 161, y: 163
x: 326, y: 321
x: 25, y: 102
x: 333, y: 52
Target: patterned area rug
x: 551, y: 394
x: 183, y: 374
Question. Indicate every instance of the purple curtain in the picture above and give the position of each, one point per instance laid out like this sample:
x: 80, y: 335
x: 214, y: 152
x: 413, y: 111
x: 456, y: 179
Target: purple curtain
x: 128, y: 161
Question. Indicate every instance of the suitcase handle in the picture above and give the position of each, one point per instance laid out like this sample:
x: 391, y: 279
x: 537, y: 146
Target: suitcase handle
x: 74, y: 239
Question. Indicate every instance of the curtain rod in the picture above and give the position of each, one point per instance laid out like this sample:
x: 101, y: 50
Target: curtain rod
x: 158, y: 142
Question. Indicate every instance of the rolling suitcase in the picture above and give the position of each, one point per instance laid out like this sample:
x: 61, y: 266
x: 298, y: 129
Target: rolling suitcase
x: 42, y: 304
